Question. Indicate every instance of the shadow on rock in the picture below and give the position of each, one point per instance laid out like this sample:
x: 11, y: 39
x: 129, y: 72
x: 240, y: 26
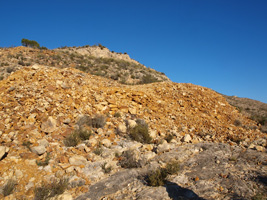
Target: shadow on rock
x: 262, y: 180
x: 177, y: 192
x: 237, y: 197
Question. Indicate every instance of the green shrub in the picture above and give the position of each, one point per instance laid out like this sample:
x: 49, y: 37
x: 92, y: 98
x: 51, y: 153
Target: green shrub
x: 21, y: 63
x: 128, y: 160
x: 72, y: 140
x: 101, y: 46
x: 148, y: 79
x: 30, y: 43
x: 10, y: 69
x: 117, y: 114
x: 237, y: 122
x: 76, y: 136
x: 84, y: 134
x: 98, y: 150
x: 140, y: 133
x: 172, y: 168
x: 159, y: 176
x: 260, y: 196
x: 98, y: 121
x: 45, y: 162
x: 27, y: 144
x: 169, y: 137
x: 43, y: 48
x: 9, y: 187
x: 49, y: 190
x: 106, y: 169
x: 156, y: 178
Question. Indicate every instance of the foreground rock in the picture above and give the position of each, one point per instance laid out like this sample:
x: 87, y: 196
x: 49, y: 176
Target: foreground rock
x: 3, y: 151
x: 208, y: 171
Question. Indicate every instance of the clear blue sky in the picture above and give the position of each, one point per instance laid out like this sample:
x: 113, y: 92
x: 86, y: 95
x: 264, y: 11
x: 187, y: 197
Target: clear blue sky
x: 219, y: 44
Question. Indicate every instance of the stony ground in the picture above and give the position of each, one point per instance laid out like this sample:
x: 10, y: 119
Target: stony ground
x: 222, y: 154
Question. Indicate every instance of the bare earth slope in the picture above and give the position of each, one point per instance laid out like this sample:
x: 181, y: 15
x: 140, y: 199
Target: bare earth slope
x: 41, y: 106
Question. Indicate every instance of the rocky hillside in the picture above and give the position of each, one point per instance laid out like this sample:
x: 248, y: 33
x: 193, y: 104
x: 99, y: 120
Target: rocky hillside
x: 66, y: 134
x: 255, y: 110
x: 97, y: 60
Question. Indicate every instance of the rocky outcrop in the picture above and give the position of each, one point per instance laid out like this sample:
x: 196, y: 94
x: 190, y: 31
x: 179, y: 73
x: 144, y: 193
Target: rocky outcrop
x: 99, y: 52
x: 208, y: 171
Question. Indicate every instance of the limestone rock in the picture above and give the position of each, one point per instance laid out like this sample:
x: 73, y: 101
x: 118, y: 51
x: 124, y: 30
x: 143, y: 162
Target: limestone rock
x: 106, y: 142
x: 3, y: 151
x: 187, y: 138
x: 43, y: 142
x: 35, y: 66
x: 65, y: 196
x: 77, y: 160
x: 260, y: 148
x: 38, y: 150
x: 131, y: 123
x: 164, y: 147
x: 153, y: 133
x: 122, y: 128
x: 133, y: 111
x: 49, y: 125
x: 92, y: 142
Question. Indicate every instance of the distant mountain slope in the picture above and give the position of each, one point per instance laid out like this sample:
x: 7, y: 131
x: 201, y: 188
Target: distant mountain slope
x: 96, y: 60
x: 255, y: 110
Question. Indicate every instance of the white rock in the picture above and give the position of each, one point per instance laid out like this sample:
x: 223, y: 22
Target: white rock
x: 29, y: 185
x: 47, y: 168
x: 251, y: 146
x: 122, y: 128
x: 133, y: 111
x: 100, y: 131
x: 3, y: 151
x: 31, y: 162
x: 131, y: 123
x: 70, y: 169
x: 35, y: 66
x: 92, y: 142
x: 77, y: 160
x: 149, y: 155
x: 106, y: 142
x: 187, y: 138
x: 163, y: 147
x: 38, y: 150
x: 65, y: 196
x: 43, y: 142
x: 153, y: 133
x: 49, y: 126
x: 260, y: 148
x: 18, y: 174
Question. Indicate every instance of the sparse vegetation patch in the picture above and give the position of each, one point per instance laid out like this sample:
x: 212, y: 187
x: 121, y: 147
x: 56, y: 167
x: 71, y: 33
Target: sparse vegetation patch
x: 9, y: 187
x: 48, y: 190
x: 140, y: 132
x: 76, y: 136
x: 159, y: 176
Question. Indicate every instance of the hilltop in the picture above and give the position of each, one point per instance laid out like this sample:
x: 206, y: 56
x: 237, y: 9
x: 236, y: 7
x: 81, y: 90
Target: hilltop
x: 63, y: 129
x: 96, y: 60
